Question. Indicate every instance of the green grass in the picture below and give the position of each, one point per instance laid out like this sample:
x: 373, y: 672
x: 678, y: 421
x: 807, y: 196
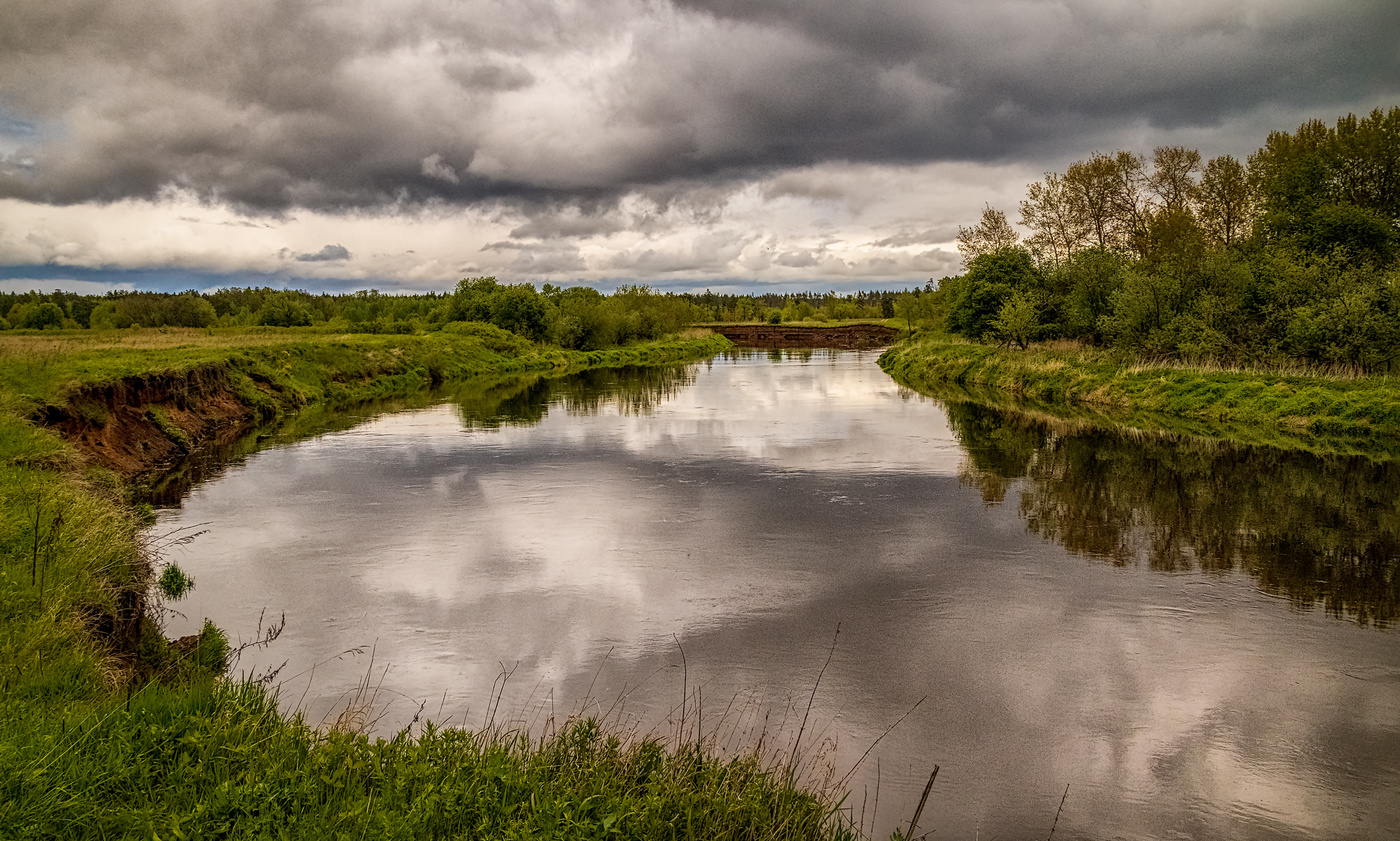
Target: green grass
x: 1294, y: 409
x: 220, y: 761
x: 311, y: 365
x: 107, y: 730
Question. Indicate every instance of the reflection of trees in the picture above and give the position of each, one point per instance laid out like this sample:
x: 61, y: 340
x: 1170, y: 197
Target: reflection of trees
x: 1317, y: 529
x: 634, y: 391
x: 525, y: 401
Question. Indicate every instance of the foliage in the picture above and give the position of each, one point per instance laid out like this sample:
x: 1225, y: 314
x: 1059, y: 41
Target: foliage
x: 1295, y: 256
x: 174, y: 583
x: 977, y: 297
x: 992, y: 234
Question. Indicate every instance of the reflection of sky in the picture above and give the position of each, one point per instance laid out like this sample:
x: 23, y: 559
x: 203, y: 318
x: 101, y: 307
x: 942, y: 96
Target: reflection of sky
x: 825, y: 414
x: 747, y: 517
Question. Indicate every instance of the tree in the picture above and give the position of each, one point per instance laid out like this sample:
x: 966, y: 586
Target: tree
x: 993, y: 233
x: 1093, y: 188
x: 1051, y: 211
x: 977, y: 297
x: 1171, y: 179
x: 1356, y: 164
x: 284, y: 310
x: 1089, y: 280
x: 519, y: 309
x: 189, y: 310
x: 45, y: 315
x: 1225, y: 202
x: 1018, y: 320
x: 1132, y: 207
x: 1141, y: 310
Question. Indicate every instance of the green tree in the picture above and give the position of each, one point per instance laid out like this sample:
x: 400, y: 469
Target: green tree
x: 1142, y: 310
x: 1052, y: 211
x: 284, y: 311
x: 1018, y: 320
x: 992, y: 233
x: 976, y: 298
x: 1323, y: 188
x: 1093, y: 187
x: 188, y: 310
x: 1225, y: 202
x: 1087, y: 282
x: 45, y: 315
x: 1172, y: 179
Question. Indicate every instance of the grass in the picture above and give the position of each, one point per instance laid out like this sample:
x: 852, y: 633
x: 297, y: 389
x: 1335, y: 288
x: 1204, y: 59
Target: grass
x: 1321, y: 410
x: 220, y: 761
x: 108, y: 730
x: 49, y: 368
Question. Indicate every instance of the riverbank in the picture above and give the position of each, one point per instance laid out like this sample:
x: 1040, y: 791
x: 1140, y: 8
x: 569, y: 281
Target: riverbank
x: 107, y: 729
x: 132, y: 401
x: 1325, y: 413
x: 854, y: 336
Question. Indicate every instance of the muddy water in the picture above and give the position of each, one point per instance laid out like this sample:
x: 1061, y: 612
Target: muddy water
x: 1198, y: 639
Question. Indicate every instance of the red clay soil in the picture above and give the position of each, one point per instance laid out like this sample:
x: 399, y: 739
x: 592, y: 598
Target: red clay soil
x: 850, y: 336
x: 138, y: 425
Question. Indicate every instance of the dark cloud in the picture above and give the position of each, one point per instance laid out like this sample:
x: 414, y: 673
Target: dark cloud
x: 330, y: 252
x: 906, y: 238
x: 377, y: 104
x: 538, y: 259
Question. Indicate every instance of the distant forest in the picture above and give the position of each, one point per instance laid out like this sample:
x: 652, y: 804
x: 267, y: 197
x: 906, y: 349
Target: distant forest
x: 573, y: 317
x: 1293, y: 254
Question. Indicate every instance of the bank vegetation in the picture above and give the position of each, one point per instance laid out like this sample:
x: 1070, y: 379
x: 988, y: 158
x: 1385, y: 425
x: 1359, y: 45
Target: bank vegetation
x: 1263, y: 290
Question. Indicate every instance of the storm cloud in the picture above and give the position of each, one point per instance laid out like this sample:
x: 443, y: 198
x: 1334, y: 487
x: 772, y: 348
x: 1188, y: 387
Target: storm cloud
x: 575, y: 122
x: 329, y: 252
x: 276, y: 105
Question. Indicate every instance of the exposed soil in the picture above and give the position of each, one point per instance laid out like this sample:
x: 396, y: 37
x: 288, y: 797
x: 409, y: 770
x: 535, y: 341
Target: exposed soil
x: 848, y: 337
x: 141, y: 425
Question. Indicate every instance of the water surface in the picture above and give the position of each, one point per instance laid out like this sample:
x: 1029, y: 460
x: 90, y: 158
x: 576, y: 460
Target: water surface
x: 1196, y: 638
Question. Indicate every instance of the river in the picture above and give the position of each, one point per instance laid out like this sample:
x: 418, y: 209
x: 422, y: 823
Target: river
x: 1192, y: 639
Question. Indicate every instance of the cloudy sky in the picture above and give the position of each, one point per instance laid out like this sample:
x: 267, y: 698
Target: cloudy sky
x: 728, y: 144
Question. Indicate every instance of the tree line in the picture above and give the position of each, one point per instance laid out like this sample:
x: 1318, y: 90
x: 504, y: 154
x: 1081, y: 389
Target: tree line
x: 574, y: 317
x: 1293, y: 254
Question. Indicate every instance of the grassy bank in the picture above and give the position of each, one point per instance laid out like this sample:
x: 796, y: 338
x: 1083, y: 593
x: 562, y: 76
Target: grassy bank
x: 107, y: 730
x: 310, y: 364
x: 133, y: 400
x: 1310, y: 410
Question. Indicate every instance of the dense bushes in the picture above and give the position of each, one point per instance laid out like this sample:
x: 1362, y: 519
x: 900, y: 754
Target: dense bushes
x: 1293, y: 257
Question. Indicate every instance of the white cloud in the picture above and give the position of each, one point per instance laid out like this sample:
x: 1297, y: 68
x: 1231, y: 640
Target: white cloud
x: 823, y: 225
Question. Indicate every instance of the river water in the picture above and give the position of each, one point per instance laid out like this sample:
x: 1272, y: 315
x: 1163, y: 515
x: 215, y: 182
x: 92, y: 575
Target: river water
x: 1195, y: 639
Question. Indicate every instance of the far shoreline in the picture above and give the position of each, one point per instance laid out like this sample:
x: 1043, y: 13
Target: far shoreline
x: 1312, y: 411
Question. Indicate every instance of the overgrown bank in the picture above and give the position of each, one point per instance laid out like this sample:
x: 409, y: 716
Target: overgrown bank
x: 107, y: 730
x: 1273, y: 408
x: 133, y: 403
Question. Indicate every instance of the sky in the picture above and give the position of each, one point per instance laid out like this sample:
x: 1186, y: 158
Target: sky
x: 734, y: 145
